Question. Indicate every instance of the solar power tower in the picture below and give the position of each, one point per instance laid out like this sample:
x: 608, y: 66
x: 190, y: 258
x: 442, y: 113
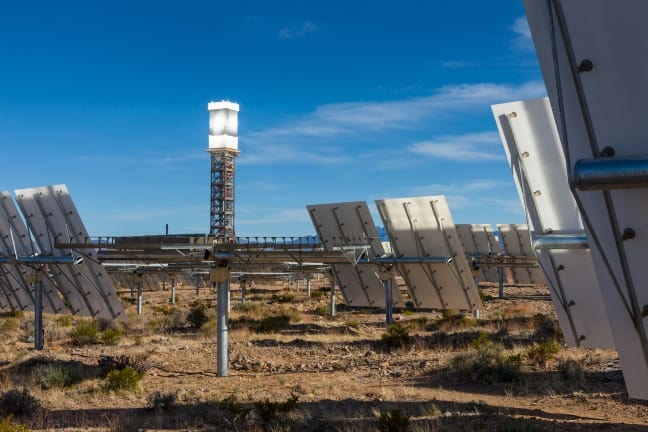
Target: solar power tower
x: 223, y: 149
x: 592, y: 57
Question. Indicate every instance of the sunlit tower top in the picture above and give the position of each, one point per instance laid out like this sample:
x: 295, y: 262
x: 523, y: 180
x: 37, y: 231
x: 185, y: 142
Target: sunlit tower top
x: 223, y: 148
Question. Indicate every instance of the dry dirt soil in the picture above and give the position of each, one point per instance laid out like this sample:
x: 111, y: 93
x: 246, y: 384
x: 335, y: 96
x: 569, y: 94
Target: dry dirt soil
x: 316, y: 372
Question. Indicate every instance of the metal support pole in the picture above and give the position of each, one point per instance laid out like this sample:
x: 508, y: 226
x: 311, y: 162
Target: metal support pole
x: 197, y: 283
x: 131, y: 285
x: 37, y: 284
x: 229, y: 297
x: 221, y: 321
x: 308, y: 287
x: 500, y: 276
x: 332, y: 305
x: 173, y: 291
x: 243, y: 291
x: 388, y: 302
x: 139, y: 298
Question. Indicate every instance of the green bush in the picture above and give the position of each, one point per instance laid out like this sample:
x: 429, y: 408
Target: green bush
x: 197, y: 316
x: 18, y: 403
x: 85, y: 333
x: 395, y: 337
x: 321, y: 310
x: 137, y: 362
x: 541, y: 353
x: 488, y: 363
x: 317, y: 293
x: 7, y: 424
x: 125, y: 379
x: 110, y: 336
x: 164, y: 309
x: 64, y: 320
x: 352, y: 323
x: 392, y: 420
x: 273, y: 323
x: 49, y: 375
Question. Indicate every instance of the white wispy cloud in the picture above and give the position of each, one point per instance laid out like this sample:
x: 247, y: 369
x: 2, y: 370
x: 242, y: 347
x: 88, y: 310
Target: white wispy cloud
x: 471, y: 147
x: 473, y: 193
x: 293, y: 140
x: 298, y: 215
x: 477, y: 185
x: 522, y: 34
x: 297, y: 32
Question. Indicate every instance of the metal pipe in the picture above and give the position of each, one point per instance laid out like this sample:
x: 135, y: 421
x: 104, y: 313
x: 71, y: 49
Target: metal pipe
x: 139, y: 298
x: 559, y: 241
x: 500, y: 280
x: 388, y: 302
x: 243, y: 285
x: 229, y: 297
x: 38, y: 314
x: 221, y: 323
x: 40, y: 260
x: 332, y: 300
x: 173, y: 292
x: 308, y: 287
x: 611, y: 173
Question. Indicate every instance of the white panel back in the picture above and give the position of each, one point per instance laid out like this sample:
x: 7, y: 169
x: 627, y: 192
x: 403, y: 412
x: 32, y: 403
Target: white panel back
x: 533, y: 149
x: 423, y: 227
x: 605, y: 107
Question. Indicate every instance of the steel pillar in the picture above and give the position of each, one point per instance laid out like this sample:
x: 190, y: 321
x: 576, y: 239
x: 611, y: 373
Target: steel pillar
x: 222, y: 336
x: 332, y: 300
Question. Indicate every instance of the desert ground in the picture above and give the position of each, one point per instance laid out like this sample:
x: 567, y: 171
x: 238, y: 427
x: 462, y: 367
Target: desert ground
x: 295, y: 368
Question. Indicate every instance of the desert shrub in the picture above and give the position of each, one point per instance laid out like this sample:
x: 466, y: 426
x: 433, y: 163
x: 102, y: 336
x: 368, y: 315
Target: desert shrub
x: 283, y: 298
x: 125, y: 379
x: 197, y: 316
x: 48, y: 375
x: 547, y: 329
x: 419, y: 323
x: 270, y: 411
x: 162, y: 401
x: 104, y: 324
x: 321, y: 310
x: 18, y: 403
x: 541, y: 353
x: 392, y: 420
x: 452, y: 319
x: 85, y: 333
x: 137, y: 362
x: 482, y: 339
x: 395, y: 337
x: 407, y: 312
x: 9, y: 324
x: 7, y: 424
x: 352, y: 323
x: 572, y: 370
x: 519, y: 425
x: 238, y: 411
x: 293, y: 314
x: 273, y: 323
x: 488, y: 363
x: 64, y: 320
x: 13, y: 314
x: 164, y: 309
x: 248, y: 307
x: 317, y: 293
x: 110, y: 336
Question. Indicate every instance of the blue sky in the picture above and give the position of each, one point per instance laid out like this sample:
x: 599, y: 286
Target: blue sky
x: 340, y: 101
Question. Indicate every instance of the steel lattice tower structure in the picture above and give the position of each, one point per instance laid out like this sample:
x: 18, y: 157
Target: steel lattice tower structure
x: 223, y: 150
